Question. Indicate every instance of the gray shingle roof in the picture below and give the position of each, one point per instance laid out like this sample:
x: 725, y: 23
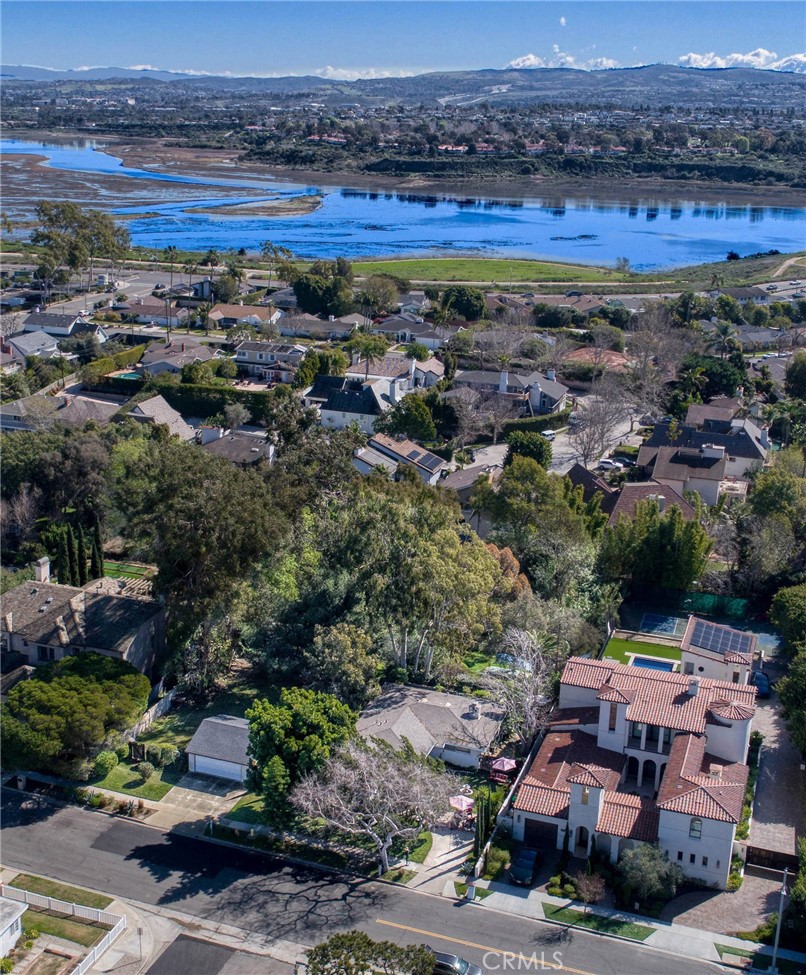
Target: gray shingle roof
x: 744, y: 439
x: 157, y: 410
x: 223, y: 737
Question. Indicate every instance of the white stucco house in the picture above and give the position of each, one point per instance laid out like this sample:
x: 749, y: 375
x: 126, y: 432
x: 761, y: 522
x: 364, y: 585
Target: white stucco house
x: 218, y: 748
x: 717, y: 651
x: 641, y: 756
x: 11, y: 913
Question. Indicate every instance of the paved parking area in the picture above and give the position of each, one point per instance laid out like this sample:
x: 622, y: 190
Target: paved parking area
x: 194, y: 956
x: 199, y: 796
x: 740, y: 910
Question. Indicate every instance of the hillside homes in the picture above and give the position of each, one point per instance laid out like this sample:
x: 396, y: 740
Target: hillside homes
x: 634, y: 756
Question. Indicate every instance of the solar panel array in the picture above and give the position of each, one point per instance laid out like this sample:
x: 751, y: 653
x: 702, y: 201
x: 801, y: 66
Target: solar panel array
x: 720, y: 639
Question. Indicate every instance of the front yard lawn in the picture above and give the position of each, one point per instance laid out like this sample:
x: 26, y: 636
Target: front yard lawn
x: 62, y: 892
x: 63, y: 927
x: 461, y: 891
x: 399, y: 875
x: 607, y: 925
x: 249, y: 809
x: 123, y: 778
x: 621, y: 650
x: 241, y: 689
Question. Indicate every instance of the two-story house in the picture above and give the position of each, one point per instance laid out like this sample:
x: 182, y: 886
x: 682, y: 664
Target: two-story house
x: 270, y: 361
x: 537, y: 393
x: 343, y: 402
x: 381, y: 450
x: 635, y: 755
x: 717, y: 651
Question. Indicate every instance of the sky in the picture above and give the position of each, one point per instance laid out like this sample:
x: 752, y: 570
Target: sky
x: 346, y: 39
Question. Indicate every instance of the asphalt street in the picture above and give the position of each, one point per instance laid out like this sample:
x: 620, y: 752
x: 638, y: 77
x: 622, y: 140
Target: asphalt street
x: 300, y: 904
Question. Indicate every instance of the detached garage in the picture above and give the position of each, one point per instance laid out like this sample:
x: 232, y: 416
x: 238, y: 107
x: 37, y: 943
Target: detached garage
x: 218, y: 748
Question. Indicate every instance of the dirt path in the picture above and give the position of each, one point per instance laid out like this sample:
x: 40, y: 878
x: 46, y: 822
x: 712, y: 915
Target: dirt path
x: 799, y: 259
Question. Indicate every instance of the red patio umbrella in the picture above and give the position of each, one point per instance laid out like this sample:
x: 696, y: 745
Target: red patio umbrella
x: 504, y: 765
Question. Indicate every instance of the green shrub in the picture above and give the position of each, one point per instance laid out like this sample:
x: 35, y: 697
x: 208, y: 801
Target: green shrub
x: 6, y: 965
x: 146, y: 770
x: 555, y: 891
x: 122, y: 752
x: 104, y: 800
x: 104, y: 763
x: 734, y: 881
x: 96, y: 801
x: 570, y: 891
x: 168, y: 755
x: 555, y: 881
x: 95, y: 370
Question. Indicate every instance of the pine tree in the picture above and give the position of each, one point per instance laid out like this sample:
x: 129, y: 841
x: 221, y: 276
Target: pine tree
x: 81, y: 556
x: 98, y: 540
x: 96, y: 561
x: 62, y: 561
x: 72, y: 557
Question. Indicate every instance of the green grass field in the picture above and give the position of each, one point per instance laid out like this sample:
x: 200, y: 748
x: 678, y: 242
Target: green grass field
x: 124, y: 779
x: 68, y: 928
x: 486, y: 270
x: 607, y: 925
x: 620, y: 650
x: 62, y: 892
x: 125, y: 570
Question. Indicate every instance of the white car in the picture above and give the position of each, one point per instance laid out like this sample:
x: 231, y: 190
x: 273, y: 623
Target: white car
x: 795, y: 283
x: 549, y: 435
x: 610, y: 465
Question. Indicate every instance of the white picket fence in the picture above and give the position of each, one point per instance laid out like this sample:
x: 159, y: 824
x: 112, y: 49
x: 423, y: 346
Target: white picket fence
x: 117, y: 922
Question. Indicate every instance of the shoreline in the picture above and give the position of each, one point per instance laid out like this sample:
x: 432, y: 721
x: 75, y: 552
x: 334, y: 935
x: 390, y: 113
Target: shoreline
x: 154, y: 154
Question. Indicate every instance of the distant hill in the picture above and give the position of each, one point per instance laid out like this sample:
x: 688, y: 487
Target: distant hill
x: 654, y: 85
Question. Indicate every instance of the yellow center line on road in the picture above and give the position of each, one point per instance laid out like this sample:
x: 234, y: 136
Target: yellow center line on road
x: 473, y: 944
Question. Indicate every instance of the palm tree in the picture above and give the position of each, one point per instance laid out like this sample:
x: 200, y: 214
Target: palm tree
x: 169, y: 253
x: 724, y: 335
x: 693, y: 381
x: 190, y: 269
x: 717, y: 279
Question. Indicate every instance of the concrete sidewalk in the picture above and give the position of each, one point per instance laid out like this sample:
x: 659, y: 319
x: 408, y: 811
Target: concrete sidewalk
x: 666, y: 936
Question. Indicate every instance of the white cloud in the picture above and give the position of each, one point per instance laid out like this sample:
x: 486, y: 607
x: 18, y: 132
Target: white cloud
x: 563, y: 21
x: 152, y: 67
x: 760, y: 58
x: 562, y: 59
x: 793, y: 62
x: 353, y: 74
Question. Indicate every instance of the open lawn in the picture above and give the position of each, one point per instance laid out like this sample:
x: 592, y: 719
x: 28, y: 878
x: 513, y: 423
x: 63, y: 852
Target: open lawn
x: 486, y: 270
x: 68, y: 928
x: 607, y: 925
x: 618, y: 649
x: 126, y: 570
x: 123, y: 778
x: 241, y: 688
x: 248, y: 809
x: 62, y: 892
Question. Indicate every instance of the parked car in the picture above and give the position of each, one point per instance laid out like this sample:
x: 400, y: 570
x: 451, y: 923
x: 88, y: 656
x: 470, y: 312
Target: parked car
x: 795, y: 282
x: 762, y: 683
x: 523, y: 867
x: 626, y: 461
x: 610, y: 465
x: 445, y: 964
x: 573, y: 294
x: 771, y: 287
x: 549, y: 435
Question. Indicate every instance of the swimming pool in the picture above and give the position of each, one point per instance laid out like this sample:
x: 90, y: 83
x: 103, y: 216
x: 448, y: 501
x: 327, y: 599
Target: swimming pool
x: 651, y: 664
x: 130, y: 375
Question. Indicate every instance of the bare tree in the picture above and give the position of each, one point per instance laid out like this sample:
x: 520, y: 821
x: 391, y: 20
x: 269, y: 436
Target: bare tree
x: 590, y: 888
x: 377, y: 793
x: 22, y: 510
x: 495, y: 409
x: 9, y: 323
x: 469, y: 422
x: 525, y: 690
x: 604, y: 409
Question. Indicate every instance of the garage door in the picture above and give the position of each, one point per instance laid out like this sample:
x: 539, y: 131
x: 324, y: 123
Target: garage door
x: 540, y: 836
x: 218, y: 768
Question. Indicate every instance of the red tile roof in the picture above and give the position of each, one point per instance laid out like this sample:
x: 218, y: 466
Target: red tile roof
x: 657, y: 697
x: 628, y: 816
x: 572, y: 717
x: 630, y: 495
x: 699, y: 784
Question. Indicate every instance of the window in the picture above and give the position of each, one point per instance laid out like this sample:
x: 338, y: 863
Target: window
x: 635, y: 729
x: 586, y: 794
x: 613, y: 715
x: 735, y: 676
x: 652, y: 732
x: 689, y: 668
x: 705, y: 861
x: 695, y: 829
x: 44, y: 654
x: 260, y: 356
x: 680, y: 855
x: 692, y: 858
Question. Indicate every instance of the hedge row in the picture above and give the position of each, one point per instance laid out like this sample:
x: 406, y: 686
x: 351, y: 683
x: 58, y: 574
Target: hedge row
x: 113, y: 385
x: 101, y: 367
x: 204, y: 401
x: 530, y: 424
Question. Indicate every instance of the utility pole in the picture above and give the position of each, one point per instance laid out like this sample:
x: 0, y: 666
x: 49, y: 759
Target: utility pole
x: 773, y: 969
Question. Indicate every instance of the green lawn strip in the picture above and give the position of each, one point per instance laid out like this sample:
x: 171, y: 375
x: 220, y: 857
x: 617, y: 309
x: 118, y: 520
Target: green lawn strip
x: 124, y: 779
x: 249, y: 809
x: 461, y: 891
x: 758, y: 961
x: 62, y: 892
x: 63, y: 927
x: 618, y: 649
x: 422, y: 848
x: 477, y: 661
x: 291, y: 848
x: 730, y: 950
x: 596, y: 922
x: 485, y: 270
x: 399, y: 875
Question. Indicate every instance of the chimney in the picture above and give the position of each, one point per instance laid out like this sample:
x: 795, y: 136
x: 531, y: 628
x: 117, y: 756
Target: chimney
x: 503, y: 382
x: 42, y: 569
x: 661, y: 503
x: 183, y: 346
x: 715, y: 772
x: 412, y: 367
x: 693, y: 686
x: 551, y: 375
x: 356, y: 358
x: 331, y: 318
x: 712, y: 451
x: 209, y: 434
x: 240, y: 303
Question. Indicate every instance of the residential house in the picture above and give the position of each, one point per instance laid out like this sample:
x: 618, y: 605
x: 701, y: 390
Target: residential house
x: 413, y: 304
x: 396, y: 366
x: 634, y: 756
x: 59, y: 326
x: 45, y: 621
x: 407, y: 328
x: 219, y: 747
x: 284, y: 298
x: 535, y: 392
x: 228, y: 316
x: 745, y: 445
x: 158, y: 412
x: 270, y: 361
x: 618, y: 502
x: 717, y: 651
x: 459, y: 730
x: 157, y: 311
x: 702, y: 470
x: 40, y: 411
x: 11, y: 913
x: 366, y: 460
x: 428, y: 466
x: 306, y: 326
x: 342, y: 401
x: 37, y: 343
x: 172, y: 356
x: 463, y: 480
x: 9, y: 363
x: 241, y: 449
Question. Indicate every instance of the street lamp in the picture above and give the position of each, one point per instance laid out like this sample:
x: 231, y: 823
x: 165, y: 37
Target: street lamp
x: 773, y: 969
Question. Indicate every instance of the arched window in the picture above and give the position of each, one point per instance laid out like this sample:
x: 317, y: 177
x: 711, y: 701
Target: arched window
x: 695, y: 829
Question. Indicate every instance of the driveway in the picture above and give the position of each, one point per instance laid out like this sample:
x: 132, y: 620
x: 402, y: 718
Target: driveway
x: 727, y: 912
x: 195, y: 799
